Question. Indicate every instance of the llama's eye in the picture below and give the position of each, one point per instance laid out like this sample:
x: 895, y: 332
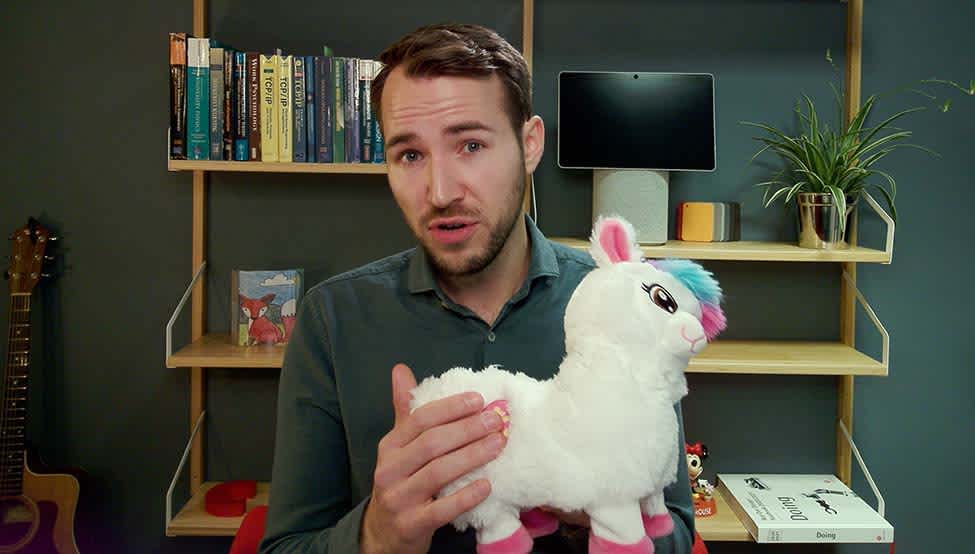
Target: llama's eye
x: 661, y: 297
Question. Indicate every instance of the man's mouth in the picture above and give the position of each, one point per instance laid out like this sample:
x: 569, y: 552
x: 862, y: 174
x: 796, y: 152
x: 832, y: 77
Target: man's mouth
x: 452, y: 230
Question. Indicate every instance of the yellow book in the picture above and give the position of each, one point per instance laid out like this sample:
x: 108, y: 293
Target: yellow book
x: 285, y: 113
x: 269, y: 108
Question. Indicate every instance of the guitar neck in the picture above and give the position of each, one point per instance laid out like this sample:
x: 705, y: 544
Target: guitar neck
x: 13, y: 417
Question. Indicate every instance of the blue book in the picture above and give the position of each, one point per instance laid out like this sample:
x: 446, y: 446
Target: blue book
x: 310, y: 83
x: 198, y: 99
x: 325, y: 99
x: 299, y: 151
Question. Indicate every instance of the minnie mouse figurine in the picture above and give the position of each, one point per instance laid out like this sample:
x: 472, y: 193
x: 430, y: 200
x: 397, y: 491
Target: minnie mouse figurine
x: 702, y: 492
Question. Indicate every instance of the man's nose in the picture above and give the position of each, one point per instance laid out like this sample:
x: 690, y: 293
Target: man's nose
x: 445, y: 188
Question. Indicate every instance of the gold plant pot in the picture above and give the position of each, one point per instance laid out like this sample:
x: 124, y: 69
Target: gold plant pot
x: 820, y: 224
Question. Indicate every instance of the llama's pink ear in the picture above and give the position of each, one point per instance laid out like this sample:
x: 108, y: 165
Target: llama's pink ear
x: 613, y: 241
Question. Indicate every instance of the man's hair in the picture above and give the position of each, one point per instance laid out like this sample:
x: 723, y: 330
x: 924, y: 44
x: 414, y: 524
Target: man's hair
x: 460, y: 50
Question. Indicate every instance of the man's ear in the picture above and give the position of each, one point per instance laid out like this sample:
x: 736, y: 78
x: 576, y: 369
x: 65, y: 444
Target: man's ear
x: 533, y: 141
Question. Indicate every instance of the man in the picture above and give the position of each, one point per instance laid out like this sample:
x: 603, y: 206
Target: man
x: 354, y: 472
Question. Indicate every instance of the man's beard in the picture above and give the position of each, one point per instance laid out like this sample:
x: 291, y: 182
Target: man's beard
x: 478, y: 261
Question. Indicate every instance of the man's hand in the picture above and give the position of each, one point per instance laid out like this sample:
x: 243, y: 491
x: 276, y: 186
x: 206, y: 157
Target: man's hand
x: 423, y: 452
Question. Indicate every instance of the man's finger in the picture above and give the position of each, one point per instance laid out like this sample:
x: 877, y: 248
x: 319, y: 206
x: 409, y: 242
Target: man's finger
x: 442, y: 511
x: 403, y: 383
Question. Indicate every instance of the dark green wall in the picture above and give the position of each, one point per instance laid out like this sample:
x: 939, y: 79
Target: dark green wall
x: 85, y: 111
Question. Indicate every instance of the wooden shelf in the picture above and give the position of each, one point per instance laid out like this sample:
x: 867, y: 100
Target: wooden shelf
x: 784, y: 358
x: 193, y: 519
x: 215, y: 350
x: 751, y: 356
x: 277, y: 167
x: 746, y: 250
x: 724, y: 525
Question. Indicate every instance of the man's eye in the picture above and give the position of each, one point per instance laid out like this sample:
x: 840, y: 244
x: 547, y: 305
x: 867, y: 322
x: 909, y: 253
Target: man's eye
x: 409, y: 156
x: 472, y: 146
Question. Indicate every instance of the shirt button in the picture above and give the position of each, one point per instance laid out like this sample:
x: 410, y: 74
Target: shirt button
x: 491, y: 337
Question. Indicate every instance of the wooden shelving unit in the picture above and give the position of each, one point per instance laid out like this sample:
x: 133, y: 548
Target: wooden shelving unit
x: 839, y: 358
x: 740, y: 357
x: 749, y: 251
x: 277, y: 167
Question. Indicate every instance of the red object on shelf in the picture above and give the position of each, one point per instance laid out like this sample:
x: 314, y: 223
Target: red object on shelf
x: 229, y: 499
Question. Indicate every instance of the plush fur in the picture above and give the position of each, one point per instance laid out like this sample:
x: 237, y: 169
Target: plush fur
x: 601, y: 435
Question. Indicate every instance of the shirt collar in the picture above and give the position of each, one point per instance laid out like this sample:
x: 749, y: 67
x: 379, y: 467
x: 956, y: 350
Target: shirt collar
x: 543, y: 263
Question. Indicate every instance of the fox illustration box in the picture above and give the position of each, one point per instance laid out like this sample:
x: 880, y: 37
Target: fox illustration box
x: 264, y: 304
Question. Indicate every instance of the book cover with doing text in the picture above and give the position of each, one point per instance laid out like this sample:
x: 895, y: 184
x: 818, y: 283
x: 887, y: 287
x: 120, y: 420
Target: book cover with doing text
x: 802, y: 509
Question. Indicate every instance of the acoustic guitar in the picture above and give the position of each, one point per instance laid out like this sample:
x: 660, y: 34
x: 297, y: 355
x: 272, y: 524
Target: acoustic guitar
x: 37, y: 509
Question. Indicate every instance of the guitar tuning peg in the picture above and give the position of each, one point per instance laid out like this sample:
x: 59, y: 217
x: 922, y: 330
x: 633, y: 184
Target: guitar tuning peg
x: 53, y: 238
x: 45, y: 275
x: 48, y: 258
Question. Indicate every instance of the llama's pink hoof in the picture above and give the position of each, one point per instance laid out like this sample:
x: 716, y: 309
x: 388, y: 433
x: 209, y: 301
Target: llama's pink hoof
x: 599, y: 545
x: 658, y: 525
x: 520, y: 542
x: 539, y: 523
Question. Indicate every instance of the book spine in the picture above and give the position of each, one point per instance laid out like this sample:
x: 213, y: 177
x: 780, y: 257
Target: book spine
x: 311, y: 123
x: 338, y: 110
x: 352, y: 110
x: 228, y: 104
x: 378, y: 146
x: 298, y: 145
x: 365, y: 111
x: 198, y: 99
x: 825, y: 534
x: 235, y: 307
x: 240, y: 106
x: 216, y: 103
x: 325, y: 102
x: 285, y: 109
x: 269, y: 108
x: 254, y: 106
x: 177, y: 96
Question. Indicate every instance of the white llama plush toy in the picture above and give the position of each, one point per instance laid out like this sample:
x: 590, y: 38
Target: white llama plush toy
x: 600, y: 436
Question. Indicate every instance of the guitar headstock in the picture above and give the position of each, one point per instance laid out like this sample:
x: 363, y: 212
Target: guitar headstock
x: 27, y: 256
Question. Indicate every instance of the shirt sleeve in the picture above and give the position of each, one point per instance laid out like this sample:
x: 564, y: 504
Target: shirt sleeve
x: 310, y: 508
x: 677, y: 497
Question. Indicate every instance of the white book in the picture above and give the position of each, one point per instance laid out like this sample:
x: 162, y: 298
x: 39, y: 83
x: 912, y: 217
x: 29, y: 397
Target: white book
x: 802, y: 509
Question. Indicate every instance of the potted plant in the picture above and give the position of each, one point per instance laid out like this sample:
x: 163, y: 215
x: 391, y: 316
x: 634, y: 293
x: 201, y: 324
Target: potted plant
x: 828, y: 169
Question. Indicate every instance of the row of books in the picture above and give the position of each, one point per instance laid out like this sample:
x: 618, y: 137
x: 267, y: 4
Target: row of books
x: 227, y: 104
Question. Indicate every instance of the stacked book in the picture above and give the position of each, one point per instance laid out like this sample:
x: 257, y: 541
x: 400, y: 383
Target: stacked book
x: 228, y: 104
x: 802, y: 509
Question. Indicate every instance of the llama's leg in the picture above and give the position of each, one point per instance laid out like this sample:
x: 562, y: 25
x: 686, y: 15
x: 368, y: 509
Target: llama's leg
x: 539, y: 523
x: 656, y: 518
x: 504, y: 534
x: 617, y: 529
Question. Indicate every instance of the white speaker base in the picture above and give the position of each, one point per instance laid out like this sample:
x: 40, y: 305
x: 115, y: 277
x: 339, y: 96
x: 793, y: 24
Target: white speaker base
x: 640, y: 196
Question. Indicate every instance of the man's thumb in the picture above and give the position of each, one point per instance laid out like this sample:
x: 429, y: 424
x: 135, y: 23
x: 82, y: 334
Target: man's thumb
x: 403, y: 383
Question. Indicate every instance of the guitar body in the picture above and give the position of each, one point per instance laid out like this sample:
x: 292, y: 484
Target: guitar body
x: 41, y: 520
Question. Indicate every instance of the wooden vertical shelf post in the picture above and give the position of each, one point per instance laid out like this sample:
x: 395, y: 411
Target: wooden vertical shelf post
x: 844, y: 401
x: 197, y: 374
x: 527, y: 46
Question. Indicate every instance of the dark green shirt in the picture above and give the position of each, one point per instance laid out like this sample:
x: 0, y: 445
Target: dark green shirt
x: 335, y: 393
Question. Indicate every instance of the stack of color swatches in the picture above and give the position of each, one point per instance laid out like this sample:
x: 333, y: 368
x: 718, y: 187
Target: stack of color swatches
x: 709, y: 221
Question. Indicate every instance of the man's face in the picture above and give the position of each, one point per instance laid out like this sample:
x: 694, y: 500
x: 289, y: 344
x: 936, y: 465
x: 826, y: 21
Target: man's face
x: 456, y: 167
